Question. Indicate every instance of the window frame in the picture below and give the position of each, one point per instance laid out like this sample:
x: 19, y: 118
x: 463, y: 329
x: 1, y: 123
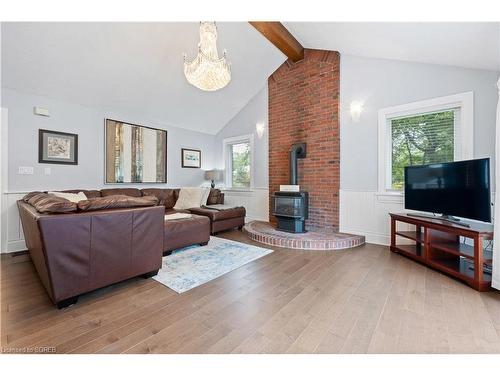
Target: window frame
x: 463, y: 131
x: 226, y: 144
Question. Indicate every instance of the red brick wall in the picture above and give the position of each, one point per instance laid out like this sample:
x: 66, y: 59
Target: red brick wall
x: 304, y: 107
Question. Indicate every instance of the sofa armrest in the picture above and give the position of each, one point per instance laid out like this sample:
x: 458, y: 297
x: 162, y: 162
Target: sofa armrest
x: 85, y: 251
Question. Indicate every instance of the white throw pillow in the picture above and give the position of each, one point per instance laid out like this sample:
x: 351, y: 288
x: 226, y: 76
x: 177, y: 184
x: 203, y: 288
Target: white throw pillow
x: 204, y: 199
x: 70, y: 196
x: 189, y: 198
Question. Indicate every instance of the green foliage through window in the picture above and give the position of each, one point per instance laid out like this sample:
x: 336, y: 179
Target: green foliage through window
x: 422, y: 139
x: 240, y: 162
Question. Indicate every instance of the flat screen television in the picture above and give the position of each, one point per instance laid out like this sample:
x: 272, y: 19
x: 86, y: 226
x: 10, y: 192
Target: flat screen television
x: 460, y: 188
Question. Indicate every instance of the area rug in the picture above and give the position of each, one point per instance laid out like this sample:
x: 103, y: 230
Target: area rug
x: 192, y: 266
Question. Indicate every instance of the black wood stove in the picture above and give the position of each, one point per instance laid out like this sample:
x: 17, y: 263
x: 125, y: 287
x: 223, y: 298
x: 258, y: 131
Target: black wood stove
x: 291, y: 208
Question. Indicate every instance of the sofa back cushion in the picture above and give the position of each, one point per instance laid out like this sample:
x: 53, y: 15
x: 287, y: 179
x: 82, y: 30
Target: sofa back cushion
x: 166, y: 197
x: 131, y: 192
x: 50, y: 204
x: 214, y: 197
x: 116, y: 201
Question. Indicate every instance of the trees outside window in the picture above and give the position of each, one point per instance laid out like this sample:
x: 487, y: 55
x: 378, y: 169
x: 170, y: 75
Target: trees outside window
x: 421, y: 139
x: 240, y: 165
x: 238, y: 162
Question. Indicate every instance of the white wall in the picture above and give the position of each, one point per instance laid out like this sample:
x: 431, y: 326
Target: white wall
x: 256, y: 200
x: 88, y: 123
x: 244, y: 123
x: 383, y: 83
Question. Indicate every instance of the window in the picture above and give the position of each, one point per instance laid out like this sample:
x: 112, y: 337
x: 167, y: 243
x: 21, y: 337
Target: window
x: 430, y: 131
x: 421, y: 139
x: 240, y: 165
x: 238, y: 161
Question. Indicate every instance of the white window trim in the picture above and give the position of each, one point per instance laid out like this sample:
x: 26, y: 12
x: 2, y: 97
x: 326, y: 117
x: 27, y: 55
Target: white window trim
x: 465, y: 129
x: 225, y: 144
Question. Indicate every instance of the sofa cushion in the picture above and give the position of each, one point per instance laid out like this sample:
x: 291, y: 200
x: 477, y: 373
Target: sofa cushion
x: 185, y: 232
x: 213, y: 197
x: 216, y: 215
x: 116, y: 201
x: 131, y: 192
x: 166, y: 197
x: 50, y: 204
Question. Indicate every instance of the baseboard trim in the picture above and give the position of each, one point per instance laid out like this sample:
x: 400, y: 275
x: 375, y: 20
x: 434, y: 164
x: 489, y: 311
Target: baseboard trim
x: 14, y: 254
x: 15, y: 246
x: 370, y: 237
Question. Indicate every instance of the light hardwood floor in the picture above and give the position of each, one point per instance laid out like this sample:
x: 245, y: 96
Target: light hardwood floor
x: 362, y: 300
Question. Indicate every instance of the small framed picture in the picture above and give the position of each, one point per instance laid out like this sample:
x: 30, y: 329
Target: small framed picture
x: 190, y: 158
x: 57, y: 147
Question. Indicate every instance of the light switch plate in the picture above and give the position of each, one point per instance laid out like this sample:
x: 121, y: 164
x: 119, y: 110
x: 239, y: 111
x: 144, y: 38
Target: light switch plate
x: 40, y: 111
x: 25, y: 170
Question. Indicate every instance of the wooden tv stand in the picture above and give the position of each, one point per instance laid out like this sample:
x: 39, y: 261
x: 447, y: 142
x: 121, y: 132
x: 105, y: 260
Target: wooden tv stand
x: 438, y: 245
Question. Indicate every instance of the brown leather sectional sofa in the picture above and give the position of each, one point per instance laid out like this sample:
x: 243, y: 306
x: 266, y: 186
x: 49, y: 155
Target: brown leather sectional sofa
x: 77, y: 252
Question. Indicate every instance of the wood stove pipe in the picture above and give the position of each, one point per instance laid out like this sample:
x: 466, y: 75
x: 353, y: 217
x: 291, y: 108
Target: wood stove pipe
x: 297, y: 151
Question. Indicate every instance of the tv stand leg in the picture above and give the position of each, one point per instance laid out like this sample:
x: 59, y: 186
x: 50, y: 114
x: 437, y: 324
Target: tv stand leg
x: 393, y: 234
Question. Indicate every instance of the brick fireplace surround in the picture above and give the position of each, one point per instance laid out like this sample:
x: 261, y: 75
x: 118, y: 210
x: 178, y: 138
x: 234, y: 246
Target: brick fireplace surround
x: 304, y: 107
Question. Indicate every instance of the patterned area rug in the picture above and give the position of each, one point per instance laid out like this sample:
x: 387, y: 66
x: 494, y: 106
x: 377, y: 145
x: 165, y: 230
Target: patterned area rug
x: 192, y: 266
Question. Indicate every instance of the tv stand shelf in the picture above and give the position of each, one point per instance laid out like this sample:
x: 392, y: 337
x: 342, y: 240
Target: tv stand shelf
x: 438, y: 245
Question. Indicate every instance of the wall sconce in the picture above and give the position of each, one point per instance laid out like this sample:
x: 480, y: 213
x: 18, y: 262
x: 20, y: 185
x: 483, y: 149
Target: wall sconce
x: 356, y: 109
x: 260, y: 127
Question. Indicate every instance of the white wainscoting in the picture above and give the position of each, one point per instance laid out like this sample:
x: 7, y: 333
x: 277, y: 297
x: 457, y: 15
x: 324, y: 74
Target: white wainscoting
x: 367, y: 213
x: 256, y: 202
x: 14, y: 239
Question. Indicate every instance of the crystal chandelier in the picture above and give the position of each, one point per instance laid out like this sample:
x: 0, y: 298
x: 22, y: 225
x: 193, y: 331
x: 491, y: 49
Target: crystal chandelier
x: 207, y: 71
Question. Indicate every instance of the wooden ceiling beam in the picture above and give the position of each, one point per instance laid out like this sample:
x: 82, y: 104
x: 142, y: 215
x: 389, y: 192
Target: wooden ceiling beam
x: 278, y: 35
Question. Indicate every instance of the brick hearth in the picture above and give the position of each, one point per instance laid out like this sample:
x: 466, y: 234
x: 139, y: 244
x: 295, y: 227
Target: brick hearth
x: 263, y: 232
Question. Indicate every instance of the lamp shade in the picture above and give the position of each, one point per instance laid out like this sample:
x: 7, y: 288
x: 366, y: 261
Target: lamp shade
x: 213, y: 175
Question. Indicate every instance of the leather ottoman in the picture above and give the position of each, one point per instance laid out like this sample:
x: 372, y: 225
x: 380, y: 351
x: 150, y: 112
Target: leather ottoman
x: 222, y: 219
x: 184, y: 232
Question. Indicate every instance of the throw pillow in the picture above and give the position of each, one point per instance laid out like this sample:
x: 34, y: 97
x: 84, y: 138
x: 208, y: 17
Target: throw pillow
x: 70, y: 196
x: 28, y: 196
x: 189, y: 198
x: 50, y: 204
x: 204, y: 199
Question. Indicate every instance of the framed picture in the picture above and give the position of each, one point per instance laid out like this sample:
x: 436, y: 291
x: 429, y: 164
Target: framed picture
x: 190, y: 158
x: 57, y: 147
x: 134, y: 153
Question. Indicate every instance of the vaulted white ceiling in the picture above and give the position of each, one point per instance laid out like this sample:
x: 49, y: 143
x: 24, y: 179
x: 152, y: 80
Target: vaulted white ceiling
x: 135, y: 67
x: 463, y: 44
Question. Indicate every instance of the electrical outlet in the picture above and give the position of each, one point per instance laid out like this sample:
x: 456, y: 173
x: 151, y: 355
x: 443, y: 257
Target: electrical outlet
x: 25, y: 170
x: 47, y: 171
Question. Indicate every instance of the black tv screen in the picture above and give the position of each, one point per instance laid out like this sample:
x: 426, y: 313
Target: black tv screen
x: 459, y: 188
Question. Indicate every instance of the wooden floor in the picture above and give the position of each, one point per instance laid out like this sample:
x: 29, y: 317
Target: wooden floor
x: 362, y: 300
